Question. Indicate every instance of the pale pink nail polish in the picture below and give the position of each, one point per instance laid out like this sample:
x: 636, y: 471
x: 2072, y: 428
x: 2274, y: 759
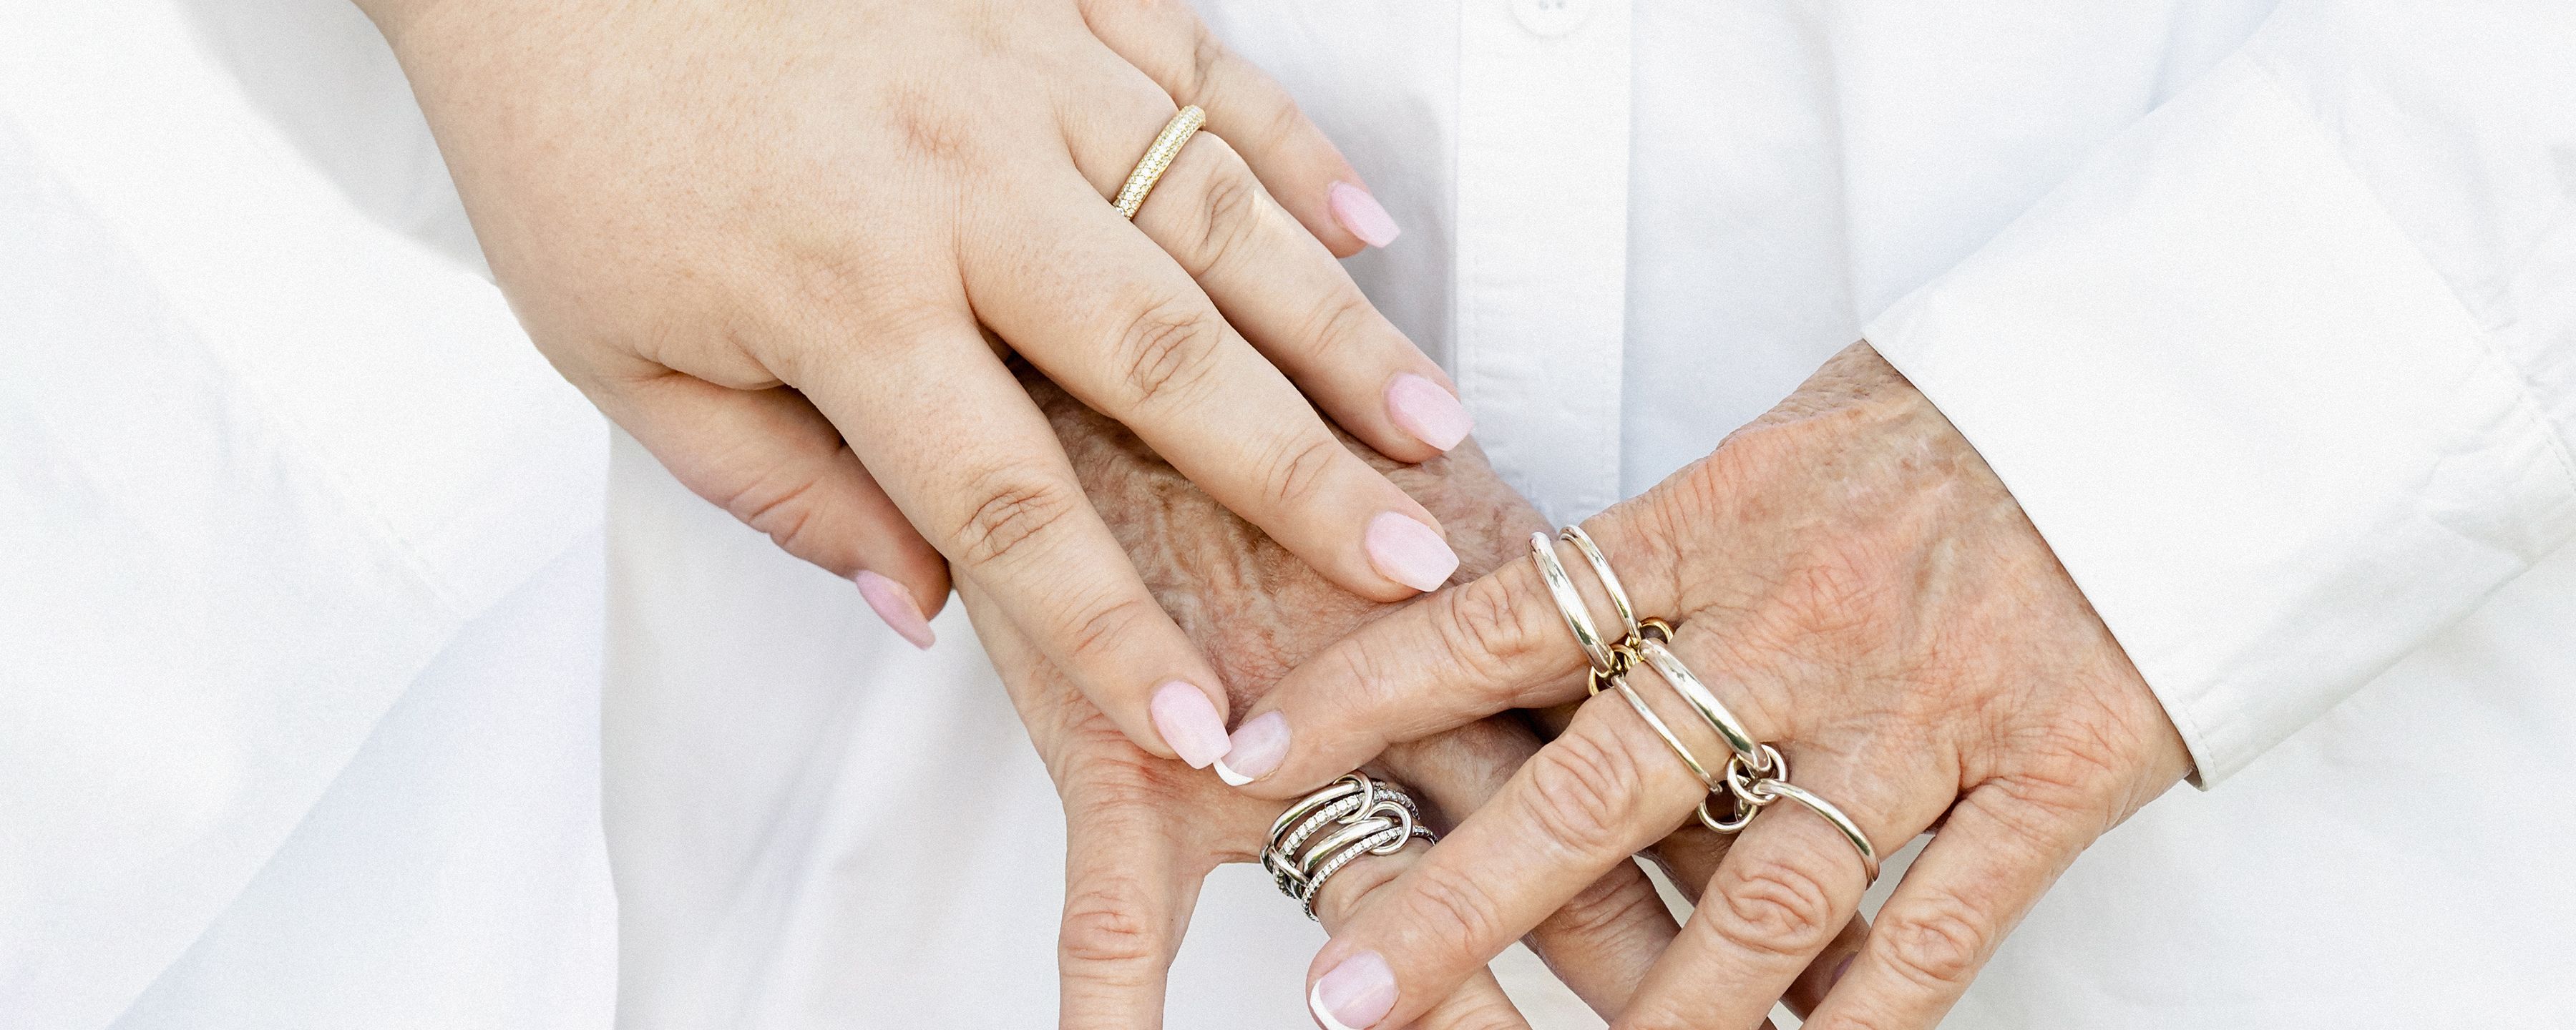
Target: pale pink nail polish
x: 1362, y: 215
x: 1420, y: 407
x: 1409, y: 552
x: 1189, y: 723
x: 894, y: 604
x: 1256, y: 748
x: 1355, y: 995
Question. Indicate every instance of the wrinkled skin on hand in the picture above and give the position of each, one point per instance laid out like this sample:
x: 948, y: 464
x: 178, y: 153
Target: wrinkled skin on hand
x: 1851, y: 580
x: 1142, y: 831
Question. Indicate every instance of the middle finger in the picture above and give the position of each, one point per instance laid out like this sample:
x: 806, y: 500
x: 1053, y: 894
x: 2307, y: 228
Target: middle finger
x: 1583, y: 804
x: 1109, y: 316
x: 1601, y: 943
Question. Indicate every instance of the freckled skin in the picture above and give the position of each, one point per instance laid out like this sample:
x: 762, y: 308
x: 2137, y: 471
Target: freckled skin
x: 1254, y: 607
x: 1258, y: 612
x: 1860, y: 588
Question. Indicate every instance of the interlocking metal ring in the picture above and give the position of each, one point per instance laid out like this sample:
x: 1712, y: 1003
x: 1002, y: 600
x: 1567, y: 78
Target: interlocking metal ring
x: 1366, y: 816
x: 1755, y: 775
x: 1569, y: 602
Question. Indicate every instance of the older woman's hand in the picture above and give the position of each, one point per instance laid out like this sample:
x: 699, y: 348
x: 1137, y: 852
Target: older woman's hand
x: 1141, y: 832
x: 765, y: 239
x: 1854, y: 583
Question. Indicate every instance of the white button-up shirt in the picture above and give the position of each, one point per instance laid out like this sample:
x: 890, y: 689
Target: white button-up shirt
x: 2266, y: 316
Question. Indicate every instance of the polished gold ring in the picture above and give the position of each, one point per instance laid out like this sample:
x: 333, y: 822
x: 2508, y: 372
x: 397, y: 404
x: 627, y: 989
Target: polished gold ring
x: 1158, y: 159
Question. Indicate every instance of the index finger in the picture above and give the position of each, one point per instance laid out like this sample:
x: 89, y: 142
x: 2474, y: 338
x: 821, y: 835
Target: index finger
x: 1109, y: 316
x: 1460, y: 655
x: 976, y: 466
x: 1583, y: 804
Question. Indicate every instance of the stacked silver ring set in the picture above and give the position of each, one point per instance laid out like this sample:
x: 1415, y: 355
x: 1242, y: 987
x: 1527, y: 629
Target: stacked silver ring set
x: 1324, y: 831
x: 1755, y: 774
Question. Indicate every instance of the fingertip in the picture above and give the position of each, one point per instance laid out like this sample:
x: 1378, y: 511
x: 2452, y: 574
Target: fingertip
x: 1359, y: 214
x: 1405, y: 550
x: 894, y: 604
x: 1254, y: 749
x: 1355, y: 994
x: 1427, y: 411
x: 1189, y: 723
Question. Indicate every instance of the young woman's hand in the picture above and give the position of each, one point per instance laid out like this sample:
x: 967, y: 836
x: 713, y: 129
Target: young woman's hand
x: 767, y: 239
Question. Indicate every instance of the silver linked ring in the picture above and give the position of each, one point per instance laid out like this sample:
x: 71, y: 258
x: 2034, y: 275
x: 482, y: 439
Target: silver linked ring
x: 1569, y: 601
x: 1354, y: 816
x: 1755, y: 774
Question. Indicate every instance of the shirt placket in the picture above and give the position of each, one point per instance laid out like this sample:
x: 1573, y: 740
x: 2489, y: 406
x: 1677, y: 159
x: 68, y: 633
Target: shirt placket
x: 1542, y: 242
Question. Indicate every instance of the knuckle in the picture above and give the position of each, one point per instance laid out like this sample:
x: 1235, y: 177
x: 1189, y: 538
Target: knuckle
x: 780, y: 508
x: 1232, y: 210
x: 1656, y: 1014
x: 1773, y: 907
x: 1014, y: 504
x: 1104, y: 925
x: 1859, y: 1015
x: 1481, y: 1011
x: 1334, y: 332
x: 1207, y: 57
x: 1582, y: 793
x: 1295, y: 470
x: 1488, y: 630
x: 1459, y: 909
x: 1166, y: 351
x: 1602, y: 909
x: 1106, y: 627
x: 1936, y: 946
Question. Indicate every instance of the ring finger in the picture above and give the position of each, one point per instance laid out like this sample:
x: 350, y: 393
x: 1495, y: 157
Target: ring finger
x: 1214, y: 212
x: 1478, y: 1003
x: 1605, y: 789
x: 1784, y: 892
x: 1583, y: 804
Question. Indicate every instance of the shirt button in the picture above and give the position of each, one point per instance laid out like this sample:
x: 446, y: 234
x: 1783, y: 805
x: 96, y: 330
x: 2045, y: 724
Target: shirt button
x: 1552, y: 18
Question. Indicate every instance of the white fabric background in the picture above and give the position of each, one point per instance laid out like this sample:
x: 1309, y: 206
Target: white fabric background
x: 301, y: 617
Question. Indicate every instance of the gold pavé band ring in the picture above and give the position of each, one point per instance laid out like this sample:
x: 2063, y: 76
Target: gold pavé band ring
x: 1158, y: 159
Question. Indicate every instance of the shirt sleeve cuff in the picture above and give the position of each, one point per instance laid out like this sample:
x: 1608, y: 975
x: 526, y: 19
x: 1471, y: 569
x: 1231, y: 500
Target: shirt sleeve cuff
x: 2256, y: 426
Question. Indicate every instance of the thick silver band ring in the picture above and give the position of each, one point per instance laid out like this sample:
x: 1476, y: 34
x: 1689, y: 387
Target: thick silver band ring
x: 1610, y: 584
x: 1843, y: 824
x: 1569, y: 601
x: 1352, y: 817
x: 1702, y: 700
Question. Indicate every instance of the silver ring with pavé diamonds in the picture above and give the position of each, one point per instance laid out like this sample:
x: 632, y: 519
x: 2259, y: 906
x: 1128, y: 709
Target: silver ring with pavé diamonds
x: 1325, y: 831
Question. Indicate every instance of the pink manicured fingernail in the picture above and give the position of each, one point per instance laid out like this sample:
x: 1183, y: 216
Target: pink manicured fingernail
x: 1409, y: 552
x: 1188, y: 723
x: 1355, y: 995
x: 1840, y: 968
x: 894, y: 604
x: 1361, y: 214
x: 1420, y: 407
x: 1258, y: 745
